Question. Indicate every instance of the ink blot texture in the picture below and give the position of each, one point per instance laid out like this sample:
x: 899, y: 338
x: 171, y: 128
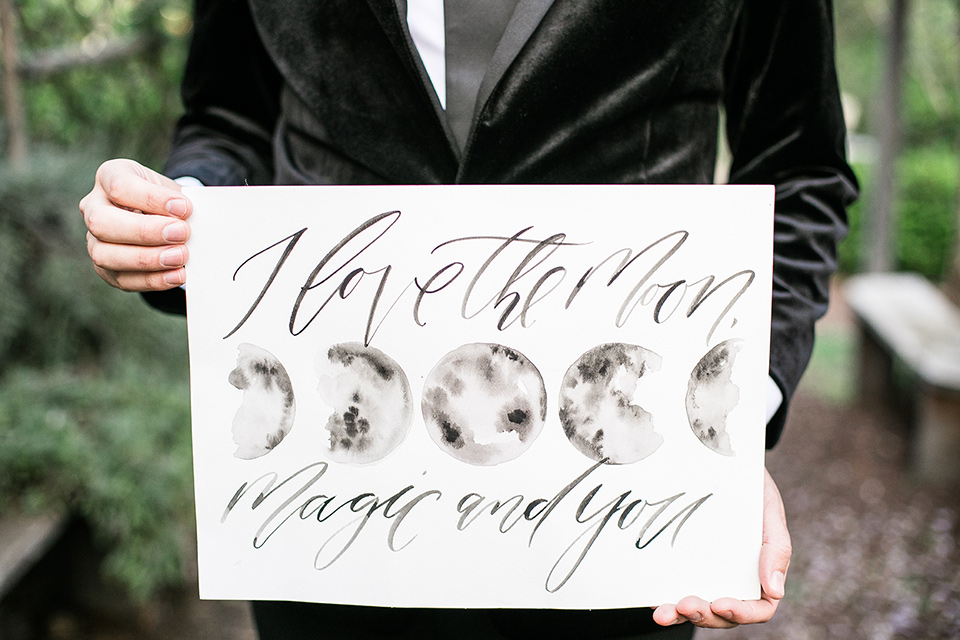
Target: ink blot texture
x: 598, y: 412
x: 484, y: 404
x: 371, y: 401
x: 712, y: 395
x: 268, y: 408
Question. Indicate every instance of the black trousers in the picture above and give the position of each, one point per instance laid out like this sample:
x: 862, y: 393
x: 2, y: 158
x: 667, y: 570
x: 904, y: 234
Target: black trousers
x: 301, y: 621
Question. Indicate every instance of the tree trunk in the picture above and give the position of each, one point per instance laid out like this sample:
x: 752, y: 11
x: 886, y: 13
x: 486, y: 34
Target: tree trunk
x: 951, y: 279
x: 14, y: 115
x: 880, y: 224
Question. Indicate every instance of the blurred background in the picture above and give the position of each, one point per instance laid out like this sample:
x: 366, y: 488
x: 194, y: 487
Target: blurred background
x: 96, y: 511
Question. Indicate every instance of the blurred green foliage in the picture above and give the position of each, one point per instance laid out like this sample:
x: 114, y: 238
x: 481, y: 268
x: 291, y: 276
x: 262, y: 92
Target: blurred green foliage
x: 927, y: 170
x: 931, y: 98
x: 926, y: 212
x: 831, y: 374
x: 114, y: 449
x: 125, y: 107
x: 94, y: 406
x: 56, y: 311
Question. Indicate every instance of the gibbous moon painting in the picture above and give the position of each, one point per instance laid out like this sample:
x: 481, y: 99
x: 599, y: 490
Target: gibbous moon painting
x: 484, y: 404
x: 371, y: 401
x: 266, y: 414
x: 598, y: 410
x: 711, y: 396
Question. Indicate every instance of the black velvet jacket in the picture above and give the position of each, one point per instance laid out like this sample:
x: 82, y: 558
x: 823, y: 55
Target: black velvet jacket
x: 579, y: 91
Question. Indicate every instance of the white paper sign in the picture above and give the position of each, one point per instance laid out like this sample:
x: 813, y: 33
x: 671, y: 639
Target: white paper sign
x: 479, y: 396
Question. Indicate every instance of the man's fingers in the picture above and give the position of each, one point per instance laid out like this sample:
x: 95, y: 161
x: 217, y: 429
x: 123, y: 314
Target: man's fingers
x: 775, y: 552
x: 745, y: 611
x: 142, y: 280
x: 130, y: 185
x: 666, y: 615
x: 776, y: 549
x: 136, y: 227
x: 699, y: 612
x: 124, y: 257
x: 722, y: 613
x: 120, y: 226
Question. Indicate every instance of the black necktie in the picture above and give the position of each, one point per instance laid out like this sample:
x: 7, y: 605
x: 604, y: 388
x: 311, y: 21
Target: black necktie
x: 472, y: 29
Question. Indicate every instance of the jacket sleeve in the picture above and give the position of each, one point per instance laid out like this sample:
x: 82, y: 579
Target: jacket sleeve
x: 785, y: 127
x: 230, y: 92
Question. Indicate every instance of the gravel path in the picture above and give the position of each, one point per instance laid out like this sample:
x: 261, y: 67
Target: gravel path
x: 875, y: 553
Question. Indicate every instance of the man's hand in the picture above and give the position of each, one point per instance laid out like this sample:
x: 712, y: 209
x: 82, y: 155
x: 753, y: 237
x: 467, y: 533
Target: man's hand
x: 774, y: 561
x: 136, y: 227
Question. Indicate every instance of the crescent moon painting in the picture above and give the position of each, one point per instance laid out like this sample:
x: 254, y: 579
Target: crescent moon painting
x: 484, y: 404
x: 266, y: 413
x: 598, y: 410
x: 371, y: 401
x: 712, y: 395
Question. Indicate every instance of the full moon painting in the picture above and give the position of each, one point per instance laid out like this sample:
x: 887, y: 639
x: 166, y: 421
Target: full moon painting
x: 371, y: 401
x: 266, y: 413
x: 712, y: 395
x: 598, y: 409
x: 484, y: 404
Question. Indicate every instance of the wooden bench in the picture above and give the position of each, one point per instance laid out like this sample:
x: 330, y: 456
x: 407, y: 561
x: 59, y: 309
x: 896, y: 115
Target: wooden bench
x: 907, y: 325
x: 25, y: 540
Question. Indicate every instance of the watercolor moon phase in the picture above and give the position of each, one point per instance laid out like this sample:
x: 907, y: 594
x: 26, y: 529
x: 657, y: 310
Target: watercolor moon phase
x: 371, y: 401
x: 597, y: 408
x: 484, y: 403
x: 712, y: 395
x: 266, y: 413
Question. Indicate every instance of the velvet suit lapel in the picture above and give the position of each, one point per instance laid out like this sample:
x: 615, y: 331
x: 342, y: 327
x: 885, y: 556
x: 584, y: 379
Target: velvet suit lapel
x: 326, y: 55
x: 392, y: 16
x: 524, y: 22
x: 525, y: 19
x: 357, y: 86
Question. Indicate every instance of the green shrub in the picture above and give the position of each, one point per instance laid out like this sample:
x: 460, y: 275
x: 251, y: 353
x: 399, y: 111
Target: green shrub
x: 113, y: 449
x: 94, y: 414
x: 927, y: 210
x: 127, y: 105
x: 56, y: 311
x: 926, y: 213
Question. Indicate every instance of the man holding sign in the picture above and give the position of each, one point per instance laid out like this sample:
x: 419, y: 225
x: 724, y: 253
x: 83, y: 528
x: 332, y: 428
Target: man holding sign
x: 536, y: 92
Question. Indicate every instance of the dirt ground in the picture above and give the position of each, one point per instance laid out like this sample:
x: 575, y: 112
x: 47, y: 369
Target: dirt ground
x: 875, y: 552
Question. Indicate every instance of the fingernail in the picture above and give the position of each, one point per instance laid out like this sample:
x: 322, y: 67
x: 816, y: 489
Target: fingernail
x: 778, y: 581
x: 176, y: 207
x: 175, y: 278
x: 172, y: 257
x: 695, y: 618
x: 175, y: 232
